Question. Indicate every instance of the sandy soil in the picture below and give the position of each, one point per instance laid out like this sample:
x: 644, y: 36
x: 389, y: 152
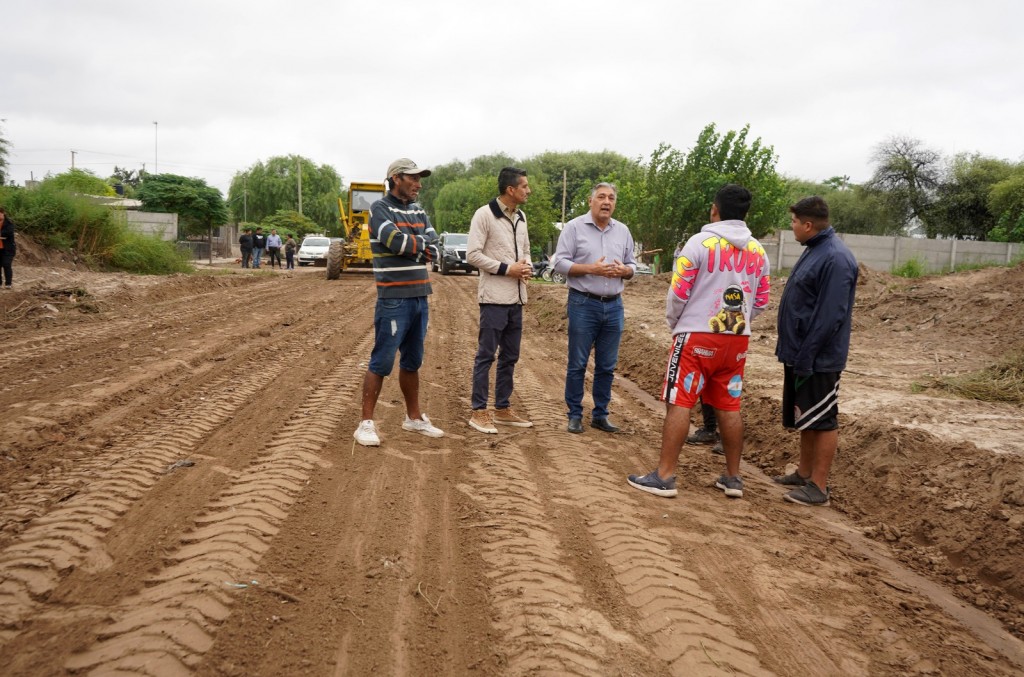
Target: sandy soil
x: 180, y: 494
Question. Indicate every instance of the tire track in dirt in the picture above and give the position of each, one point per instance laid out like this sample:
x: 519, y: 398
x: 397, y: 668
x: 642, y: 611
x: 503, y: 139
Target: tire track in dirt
x: 166, y: 629
x: 39, y: 360
x: 103, y: 488
x: 546, y: 622
x: 30, y: 498
x: 685, y: 626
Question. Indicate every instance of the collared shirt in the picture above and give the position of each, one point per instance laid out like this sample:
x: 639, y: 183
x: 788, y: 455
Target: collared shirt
x: 274, y: 241
x: 509, y: 212
x: 582, y: 241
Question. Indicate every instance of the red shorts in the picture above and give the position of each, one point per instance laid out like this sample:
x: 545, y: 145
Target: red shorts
x: 708, y: 367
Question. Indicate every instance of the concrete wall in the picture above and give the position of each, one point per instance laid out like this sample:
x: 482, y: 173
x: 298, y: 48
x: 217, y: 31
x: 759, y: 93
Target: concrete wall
x: 886, y: 253
x: 152, y: 223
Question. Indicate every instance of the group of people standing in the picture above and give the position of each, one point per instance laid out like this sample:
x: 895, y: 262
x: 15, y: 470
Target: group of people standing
x: 252, y: 246
x: 720, y: 283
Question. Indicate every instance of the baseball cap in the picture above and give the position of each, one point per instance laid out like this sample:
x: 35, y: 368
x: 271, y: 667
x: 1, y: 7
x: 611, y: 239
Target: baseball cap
x: 404, y: 165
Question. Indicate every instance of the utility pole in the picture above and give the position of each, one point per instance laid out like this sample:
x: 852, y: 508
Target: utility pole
x: 73, y: 159
x: 156, y: 140
x: 563, y: 198
x: 298, y: 172
x: 245, y: 198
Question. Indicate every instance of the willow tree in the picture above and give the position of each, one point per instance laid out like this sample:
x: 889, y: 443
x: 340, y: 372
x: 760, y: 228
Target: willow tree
x: 268, y: 187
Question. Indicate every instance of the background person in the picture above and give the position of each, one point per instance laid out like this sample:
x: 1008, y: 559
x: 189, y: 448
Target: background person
x: 814, y: 326
x: 274, y: 247
x: 290, y: 247
x: 7, y: 249
x: 245, y: 245
x: 595, y: 253
x: 259, y: 244
x: 499, y: 246
x: 719, y: 285
x: 403, y: 242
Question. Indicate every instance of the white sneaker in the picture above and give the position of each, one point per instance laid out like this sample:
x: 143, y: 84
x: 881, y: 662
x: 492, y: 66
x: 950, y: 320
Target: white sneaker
x: 422, y: 426
x: 366, y: 434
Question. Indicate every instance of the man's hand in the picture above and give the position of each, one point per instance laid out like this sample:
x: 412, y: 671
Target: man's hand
x: 520, y: 269
x: 613, y: 269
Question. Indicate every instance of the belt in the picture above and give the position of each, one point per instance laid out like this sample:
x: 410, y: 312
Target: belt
x: 596, y: 297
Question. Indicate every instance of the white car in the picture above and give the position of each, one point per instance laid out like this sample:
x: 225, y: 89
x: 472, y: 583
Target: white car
x: 313, y: 250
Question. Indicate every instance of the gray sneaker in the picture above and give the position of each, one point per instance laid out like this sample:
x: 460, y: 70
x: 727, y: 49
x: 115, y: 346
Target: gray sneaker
x: 793, y: 479
x: 810, y: 494
x: 653, y: 484
x: 732, y: 486
x: 718, y: 448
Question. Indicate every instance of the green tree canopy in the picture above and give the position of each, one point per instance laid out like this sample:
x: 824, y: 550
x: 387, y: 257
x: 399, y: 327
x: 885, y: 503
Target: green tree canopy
x: 82, y: 181
x: 674, y: 194
x: 1006, y: 202
x: 458, y: 200
x: 199, y: 207
x: 287, y: 221
x: 852, y: 207
x: 267, y: 187
x: 961, y: 207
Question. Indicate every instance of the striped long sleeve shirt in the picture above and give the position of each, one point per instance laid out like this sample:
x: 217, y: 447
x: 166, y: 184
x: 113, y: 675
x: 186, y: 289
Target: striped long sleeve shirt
x: 403, y: 242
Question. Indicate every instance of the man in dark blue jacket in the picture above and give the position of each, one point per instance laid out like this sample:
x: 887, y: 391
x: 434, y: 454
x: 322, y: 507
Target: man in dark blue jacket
x: 815, y: 319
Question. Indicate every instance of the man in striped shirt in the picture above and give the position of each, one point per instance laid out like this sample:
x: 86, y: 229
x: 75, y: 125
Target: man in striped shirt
x: 403, y: 244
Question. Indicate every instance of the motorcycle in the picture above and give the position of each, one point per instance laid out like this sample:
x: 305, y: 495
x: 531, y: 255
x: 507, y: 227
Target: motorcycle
x: 542, y: 269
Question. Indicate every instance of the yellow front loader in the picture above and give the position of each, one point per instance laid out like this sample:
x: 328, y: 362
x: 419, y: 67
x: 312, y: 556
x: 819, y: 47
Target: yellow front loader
x: 354, y: 251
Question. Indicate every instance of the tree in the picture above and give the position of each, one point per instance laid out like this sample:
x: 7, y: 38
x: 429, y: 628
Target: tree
x: 81, y: 181
x: 852, y: 207
x: 199, y: 207
x: 908, y: 174
x: 1006, y: 202
x: 265, y: 188
x: 582, y: 170
x: 287, y: 221
x: 128, y: 179
x: 675, y: 193
x: 961, y: 208
x: 458, y: 200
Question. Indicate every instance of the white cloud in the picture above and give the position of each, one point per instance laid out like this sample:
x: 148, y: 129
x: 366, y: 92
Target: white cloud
x: 355, y: 85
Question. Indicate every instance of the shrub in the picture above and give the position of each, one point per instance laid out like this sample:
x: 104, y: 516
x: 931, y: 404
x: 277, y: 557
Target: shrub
x: 911, y: 268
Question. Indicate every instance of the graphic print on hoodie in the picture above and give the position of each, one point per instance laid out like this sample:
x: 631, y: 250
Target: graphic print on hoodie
x: 720, y: 282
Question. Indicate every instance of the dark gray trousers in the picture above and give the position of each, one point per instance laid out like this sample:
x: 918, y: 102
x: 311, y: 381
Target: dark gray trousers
x: 501, y: 330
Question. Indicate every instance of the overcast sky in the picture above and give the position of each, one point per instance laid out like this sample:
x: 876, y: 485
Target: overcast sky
x: 357, y: 84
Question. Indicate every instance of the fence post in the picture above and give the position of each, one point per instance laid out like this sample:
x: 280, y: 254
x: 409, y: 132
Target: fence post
x: 782, y: 239
x: 895, y: 252
x: 1009, y: 252
x: 952, y: 255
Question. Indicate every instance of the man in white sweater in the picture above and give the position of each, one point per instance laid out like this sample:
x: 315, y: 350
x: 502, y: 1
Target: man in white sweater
x: 499, y: 247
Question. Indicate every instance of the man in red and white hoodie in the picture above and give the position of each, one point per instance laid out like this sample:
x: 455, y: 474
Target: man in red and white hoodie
x: 719, y: 285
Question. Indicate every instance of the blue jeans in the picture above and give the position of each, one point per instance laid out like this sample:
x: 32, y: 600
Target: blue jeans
x: 399, y: 325
x: 257, y: 254
x: 593, y: 326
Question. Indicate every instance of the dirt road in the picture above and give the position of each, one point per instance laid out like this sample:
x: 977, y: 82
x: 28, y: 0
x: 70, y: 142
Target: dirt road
x: 181, y: 495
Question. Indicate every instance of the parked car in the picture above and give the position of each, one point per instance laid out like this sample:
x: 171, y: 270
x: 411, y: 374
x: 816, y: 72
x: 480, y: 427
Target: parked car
x: 313, y: 250
x: 452, y: 247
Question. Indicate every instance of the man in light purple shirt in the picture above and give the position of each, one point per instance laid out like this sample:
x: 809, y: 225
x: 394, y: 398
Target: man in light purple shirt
x: 595, y: 253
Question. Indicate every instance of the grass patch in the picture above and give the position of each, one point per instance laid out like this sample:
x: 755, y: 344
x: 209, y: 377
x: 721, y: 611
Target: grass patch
x: 912, y: 269
x: 1002, y: 382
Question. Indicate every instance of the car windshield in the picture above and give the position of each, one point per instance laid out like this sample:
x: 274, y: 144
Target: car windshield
x: 316, y: 242
x: 457, y: 239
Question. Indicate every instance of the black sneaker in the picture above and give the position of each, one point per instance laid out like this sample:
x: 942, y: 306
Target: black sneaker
x: 809, y: 494
x: 653, y: 484
x: 793, y: 479
x: 702, y: 436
